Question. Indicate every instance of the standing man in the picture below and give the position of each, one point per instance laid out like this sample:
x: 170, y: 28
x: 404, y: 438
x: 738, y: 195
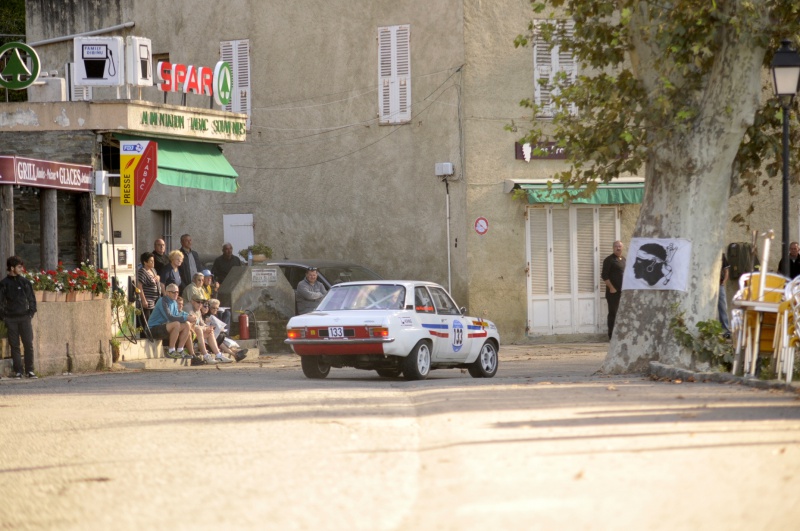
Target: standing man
x: 224, y: 263
x: 17, y: 308
x: 613, y: 269
x: 722, y: 298
x: 160, y: 255
x: 794, y: 261
x: 309, y: 292
x: 191, y: 261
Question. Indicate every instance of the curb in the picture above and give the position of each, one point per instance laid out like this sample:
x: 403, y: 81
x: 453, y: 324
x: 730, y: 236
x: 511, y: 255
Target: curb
x: 659, y: 370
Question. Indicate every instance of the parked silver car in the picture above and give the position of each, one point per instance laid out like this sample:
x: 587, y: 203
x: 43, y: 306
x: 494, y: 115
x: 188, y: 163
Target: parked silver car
x: 329, y: 272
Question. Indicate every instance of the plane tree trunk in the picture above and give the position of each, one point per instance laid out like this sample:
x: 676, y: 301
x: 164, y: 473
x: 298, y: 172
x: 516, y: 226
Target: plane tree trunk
x: 687, y: 183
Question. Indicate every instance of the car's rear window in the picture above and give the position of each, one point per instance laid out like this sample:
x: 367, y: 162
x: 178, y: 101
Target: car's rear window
x: 364, y: 297
x: 339, y: 274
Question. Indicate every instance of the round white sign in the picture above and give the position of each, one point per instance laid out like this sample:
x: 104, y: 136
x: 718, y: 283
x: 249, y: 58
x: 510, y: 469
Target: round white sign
x: 481, y: 225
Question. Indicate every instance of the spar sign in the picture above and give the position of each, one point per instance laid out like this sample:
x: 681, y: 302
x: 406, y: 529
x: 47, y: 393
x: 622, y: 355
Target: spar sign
x: 177, y: 77
x: 138, y: 168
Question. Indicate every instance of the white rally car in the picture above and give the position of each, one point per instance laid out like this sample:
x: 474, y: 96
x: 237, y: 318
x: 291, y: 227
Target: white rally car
x: 393, y: 327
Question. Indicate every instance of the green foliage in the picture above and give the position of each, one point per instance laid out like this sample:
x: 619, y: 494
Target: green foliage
x: 708, y: 346
x: 647, y: 71
x: 12, y: 23
x: 258, y: 248
x: 3, y: 332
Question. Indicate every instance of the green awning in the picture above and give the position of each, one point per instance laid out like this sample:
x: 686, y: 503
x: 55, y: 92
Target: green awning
x: 192, y: 165
x: 606, y: 194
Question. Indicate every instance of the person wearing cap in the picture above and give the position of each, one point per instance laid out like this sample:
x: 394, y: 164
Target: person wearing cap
x: 210, y: 286
x: 309, y: 292
x: 205, y: 334
x: 195, y: 288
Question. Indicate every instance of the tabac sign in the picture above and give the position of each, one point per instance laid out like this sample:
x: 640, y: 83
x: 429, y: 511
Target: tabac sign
x: 45, y: 174
x: 138, y: 168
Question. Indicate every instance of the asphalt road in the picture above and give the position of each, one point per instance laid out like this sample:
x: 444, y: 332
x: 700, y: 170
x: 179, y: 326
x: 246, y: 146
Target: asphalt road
x: 546, y: 444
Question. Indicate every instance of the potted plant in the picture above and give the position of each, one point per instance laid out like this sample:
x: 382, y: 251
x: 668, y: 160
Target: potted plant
x: 260, y: 252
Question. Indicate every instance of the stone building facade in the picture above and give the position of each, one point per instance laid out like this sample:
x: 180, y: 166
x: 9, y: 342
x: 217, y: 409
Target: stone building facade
x: 322, y: 177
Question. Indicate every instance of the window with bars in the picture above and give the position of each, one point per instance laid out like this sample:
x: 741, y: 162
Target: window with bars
x: 394, y: 74
x: 237, y: 54
x: 548, y: 62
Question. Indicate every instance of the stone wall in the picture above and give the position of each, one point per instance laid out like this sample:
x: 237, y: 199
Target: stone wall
x: 82, y: 327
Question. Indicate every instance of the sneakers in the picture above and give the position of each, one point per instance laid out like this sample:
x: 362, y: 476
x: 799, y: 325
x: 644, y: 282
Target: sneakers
x: 174, y: 355
x: 209, y: 360
x: 223, y: 359
x: 31, y: 375
x: 18, y: 376
x: 197, y: 360
x: 240, y: 355
x: 185, y: 354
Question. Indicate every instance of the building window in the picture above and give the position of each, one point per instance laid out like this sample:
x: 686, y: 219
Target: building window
x: 163, y: 221
x: 394, y: 74
x: 548, y: 61
x: 237, y: 54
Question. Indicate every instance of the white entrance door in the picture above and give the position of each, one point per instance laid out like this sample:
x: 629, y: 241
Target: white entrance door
x: 238, y: 230
x: 566, y: 247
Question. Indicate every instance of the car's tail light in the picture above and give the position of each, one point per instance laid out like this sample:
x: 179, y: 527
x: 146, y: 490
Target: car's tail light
x: 296, y: 333
x: 378, y: 331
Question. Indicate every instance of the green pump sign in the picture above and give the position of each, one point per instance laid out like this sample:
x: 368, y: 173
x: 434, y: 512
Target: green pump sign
x: 16, y: 75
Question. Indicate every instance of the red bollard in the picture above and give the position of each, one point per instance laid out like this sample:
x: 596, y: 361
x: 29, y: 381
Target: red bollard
x: 244, y: 326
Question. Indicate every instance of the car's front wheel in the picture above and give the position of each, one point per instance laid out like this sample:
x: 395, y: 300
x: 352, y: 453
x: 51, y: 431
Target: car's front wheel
x: 314, y: 367
x: 417, y: 365
x: 485, y: 366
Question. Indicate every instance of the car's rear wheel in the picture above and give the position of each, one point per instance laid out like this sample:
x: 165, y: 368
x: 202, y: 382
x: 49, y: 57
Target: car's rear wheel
x: 417, y: 365
x: 389, y: 373
x: 314, y: 367
x: 485, y: 366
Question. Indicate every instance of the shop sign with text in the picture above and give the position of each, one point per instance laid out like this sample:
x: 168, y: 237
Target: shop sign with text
x: 45, y: 174
x: 138, y: 168
x: 177, y: 77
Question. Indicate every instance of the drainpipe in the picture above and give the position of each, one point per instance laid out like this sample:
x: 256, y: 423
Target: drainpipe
x: 109, y: 29
x: 447, y: 210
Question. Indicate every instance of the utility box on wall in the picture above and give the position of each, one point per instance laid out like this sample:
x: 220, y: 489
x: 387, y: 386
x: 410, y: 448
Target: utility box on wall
x: 138, y: 62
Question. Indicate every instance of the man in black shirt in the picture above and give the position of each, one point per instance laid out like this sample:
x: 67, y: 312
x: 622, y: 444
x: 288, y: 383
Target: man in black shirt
x: 161, y: 256
x: 794, y: 261
x: 224, y: 263
x: 613, y: 269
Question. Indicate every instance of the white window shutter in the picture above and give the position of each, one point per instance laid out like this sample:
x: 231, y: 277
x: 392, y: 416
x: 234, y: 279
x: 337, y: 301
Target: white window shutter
x: 562, y: 238
x: 394, y: 74
x: 584, y: 252
x: 547, y: 63
x: 237, y: 54
x: 226, y: 54
x: 537, y: 217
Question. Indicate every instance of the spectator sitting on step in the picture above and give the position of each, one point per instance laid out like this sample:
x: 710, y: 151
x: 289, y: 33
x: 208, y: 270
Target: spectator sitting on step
x: 205, y: 335
x: 220, y: 331
x: 169, y: 322
x: 195, y: 289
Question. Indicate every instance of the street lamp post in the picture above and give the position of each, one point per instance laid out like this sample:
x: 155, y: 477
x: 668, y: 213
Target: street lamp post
x: 786, y: 75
